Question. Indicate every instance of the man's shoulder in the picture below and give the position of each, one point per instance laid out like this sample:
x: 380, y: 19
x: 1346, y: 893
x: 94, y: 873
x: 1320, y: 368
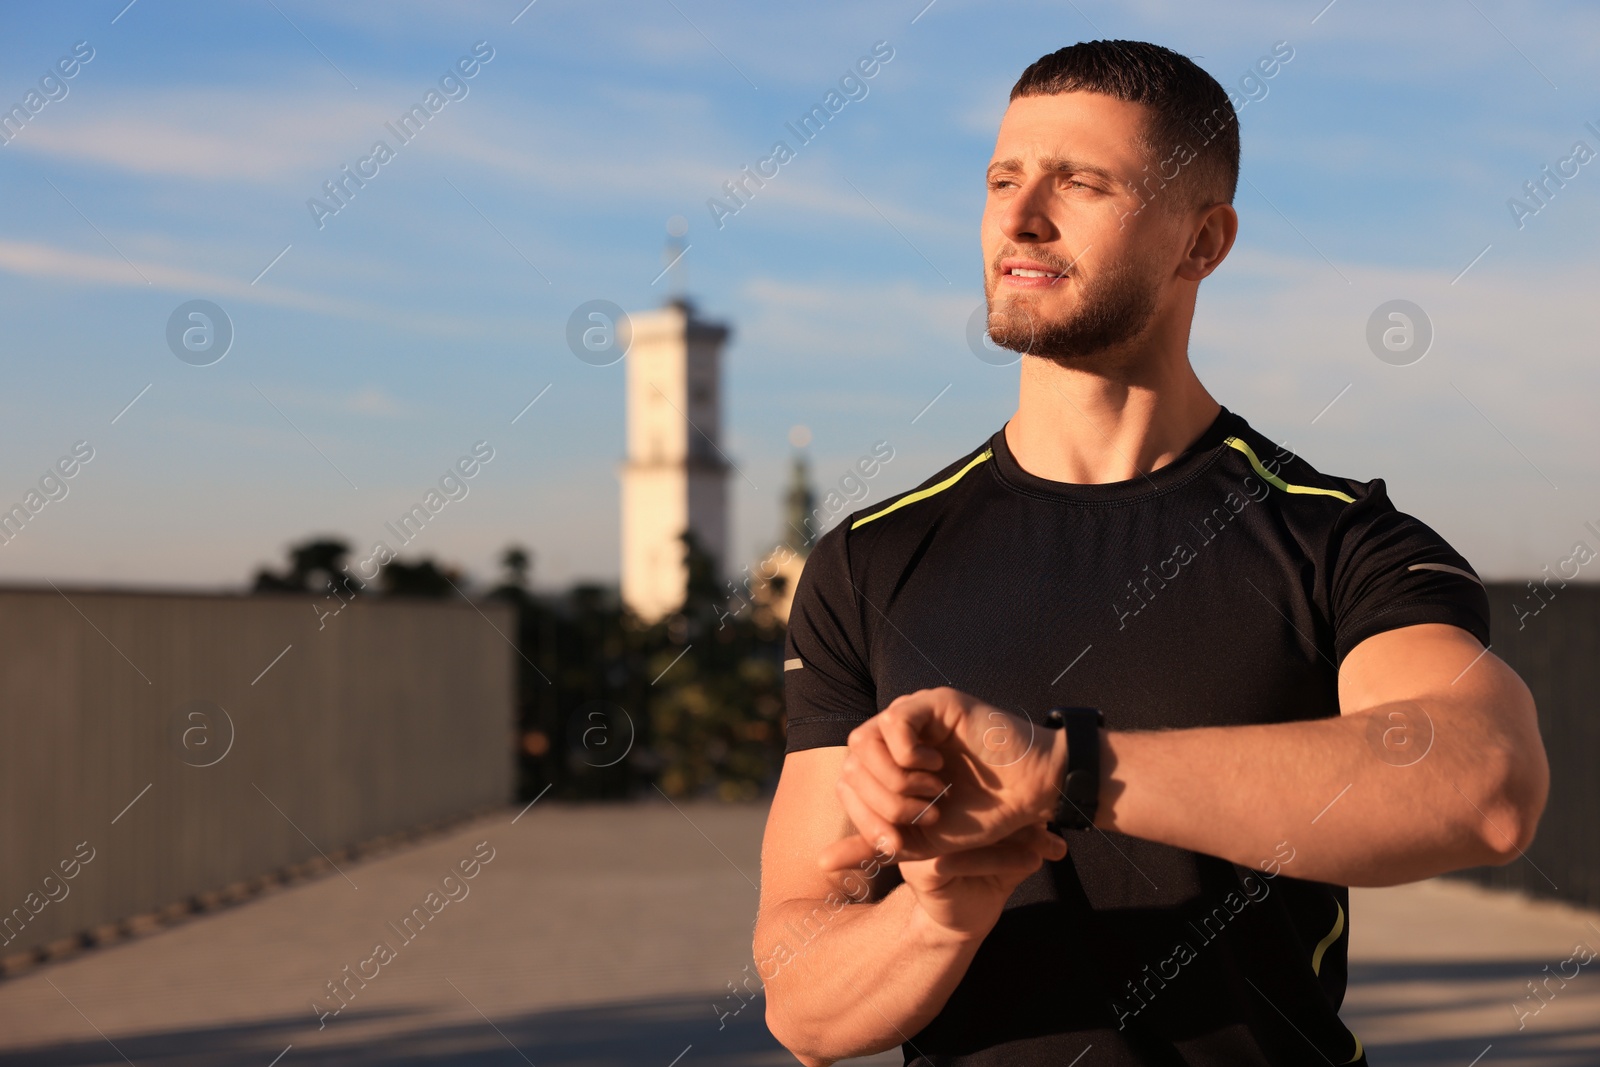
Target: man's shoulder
x: 1353, y: 524
x: 1292, y: 478
x: 877, y: 526
x: 913, y: 507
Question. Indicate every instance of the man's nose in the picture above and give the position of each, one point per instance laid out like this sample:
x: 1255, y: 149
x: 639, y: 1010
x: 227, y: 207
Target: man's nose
x: 1026, y: 217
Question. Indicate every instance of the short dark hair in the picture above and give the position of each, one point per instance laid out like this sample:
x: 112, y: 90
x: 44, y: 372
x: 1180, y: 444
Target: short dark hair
x: 1188, y: 109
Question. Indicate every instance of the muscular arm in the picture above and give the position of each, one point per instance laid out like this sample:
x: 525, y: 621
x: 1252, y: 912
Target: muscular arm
x: 848, y: 968
x: 1435, y: 764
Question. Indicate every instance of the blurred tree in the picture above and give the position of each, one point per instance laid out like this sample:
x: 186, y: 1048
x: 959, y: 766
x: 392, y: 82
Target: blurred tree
x: 611, y: 704
x: 538, y: 729
x: 518, y: 563
x: 423, y: 578
x: 716, y: 704
x: 320, y: 558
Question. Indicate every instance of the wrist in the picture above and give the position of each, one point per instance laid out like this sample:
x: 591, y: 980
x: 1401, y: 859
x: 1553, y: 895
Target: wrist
x: 1053, y: 770
x: 925, y: 930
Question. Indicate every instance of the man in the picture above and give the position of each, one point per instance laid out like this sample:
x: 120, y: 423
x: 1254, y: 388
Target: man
x: 1294, y: 678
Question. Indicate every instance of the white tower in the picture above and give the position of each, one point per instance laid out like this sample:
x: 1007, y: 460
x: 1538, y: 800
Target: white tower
x: 675, y: 477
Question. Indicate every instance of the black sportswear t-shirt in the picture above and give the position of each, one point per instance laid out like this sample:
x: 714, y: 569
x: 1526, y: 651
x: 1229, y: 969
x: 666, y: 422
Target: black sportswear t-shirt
x: 1223, y: 588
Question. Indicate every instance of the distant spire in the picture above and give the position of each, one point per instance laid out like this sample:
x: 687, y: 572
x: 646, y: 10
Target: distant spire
x: 672, y: 260
x: 800, y: 501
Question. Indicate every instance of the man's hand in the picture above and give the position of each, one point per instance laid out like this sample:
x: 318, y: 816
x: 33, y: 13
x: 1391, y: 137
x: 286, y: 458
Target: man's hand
x: 998, y: 774
x: 964, y: 893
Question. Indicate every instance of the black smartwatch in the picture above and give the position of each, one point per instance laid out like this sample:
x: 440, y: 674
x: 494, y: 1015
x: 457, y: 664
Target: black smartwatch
x: 1079, y: 787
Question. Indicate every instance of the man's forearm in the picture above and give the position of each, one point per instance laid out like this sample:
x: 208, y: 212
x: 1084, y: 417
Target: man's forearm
x: 1354, y: 814
x: 858, y: 981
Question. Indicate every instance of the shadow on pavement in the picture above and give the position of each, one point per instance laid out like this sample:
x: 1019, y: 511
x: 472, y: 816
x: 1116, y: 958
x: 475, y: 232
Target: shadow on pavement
x: 644, y: 1032
x: 657, y: 1031
x: 1464, y: 986
x: 1571, y: 1047
x: 1498, y: 970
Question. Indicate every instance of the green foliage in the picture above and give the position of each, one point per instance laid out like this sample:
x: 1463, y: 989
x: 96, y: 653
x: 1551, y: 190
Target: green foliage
x: 610, y: 706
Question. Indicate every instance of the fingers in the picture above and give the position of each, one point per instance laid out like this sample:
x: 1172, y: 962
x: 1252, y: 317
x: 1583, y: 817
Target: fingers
x: 1050, y: 846
x: 852, y: 851
x: 916, y: 726
x: 903, y: 741
x: 889, y: 807
x: 884, y: 787
x: 879, y: 795
x: 931, y: 713
x: 907, y: 749
x: 870, y: 826
x: 869, y: 751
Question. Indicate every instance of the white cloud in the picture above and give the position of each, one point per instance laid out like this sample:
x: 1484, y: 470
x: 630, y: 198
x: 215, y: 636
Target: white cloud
x: 296, y: 141
x: 247, y: 134
x: 35, y: 260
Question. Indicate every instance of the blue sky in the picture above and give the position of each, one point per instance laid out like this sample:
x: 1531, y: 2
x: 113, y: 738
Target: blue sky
x: 429, y: 310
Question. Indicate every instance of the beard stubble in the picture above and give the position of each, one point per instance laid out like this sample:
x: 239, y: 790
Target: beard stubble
x: 1113, y: 307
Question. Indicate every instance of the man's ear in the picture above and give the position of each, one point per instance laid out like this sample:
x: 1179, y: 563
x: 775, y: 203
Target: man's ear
x: 1214, y: 235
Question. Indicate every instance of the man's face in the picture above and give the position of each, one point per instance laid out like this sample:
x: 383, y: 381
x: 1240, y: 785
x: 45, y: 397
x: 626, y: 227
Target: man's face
x: 1063, y: 201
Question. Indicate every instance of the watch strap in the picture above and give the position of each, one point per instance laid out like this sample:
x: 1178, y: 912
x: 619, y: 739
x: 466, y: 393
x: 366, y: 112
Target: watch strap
x: 1079, y: 788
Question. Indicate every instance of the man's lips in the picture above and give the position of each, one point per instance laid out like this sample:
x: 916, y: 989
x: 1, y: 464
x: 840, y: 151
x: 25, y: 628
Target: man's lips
x: 1028, y: 274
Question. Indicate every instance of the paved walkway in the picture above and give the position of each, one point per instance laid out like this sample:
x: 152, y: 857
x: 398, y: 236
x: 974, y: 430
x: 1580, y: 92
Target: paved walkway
x: 607, y: 935
x: 1440, y: 970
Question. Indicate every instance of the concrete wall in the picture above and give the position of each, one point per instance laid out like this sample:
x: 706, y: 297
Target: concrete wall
x: 383, y: 717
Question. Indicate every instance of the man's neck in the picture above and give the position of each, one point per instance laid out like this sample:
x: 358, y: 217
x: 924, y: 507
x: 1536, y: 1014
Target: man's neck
x: 1089, y: 427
